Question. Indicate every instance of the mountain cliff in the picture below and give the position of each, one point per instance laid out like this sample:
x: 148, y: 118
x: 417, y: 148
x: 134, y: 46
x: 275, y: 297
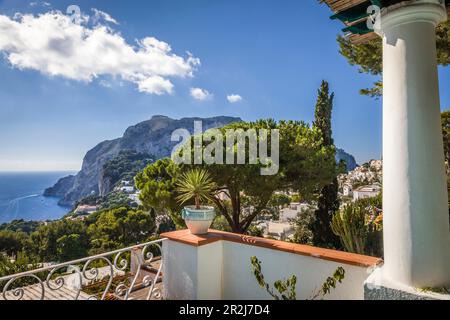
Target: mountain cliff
x: 148, y: 137
x: 348, y: 158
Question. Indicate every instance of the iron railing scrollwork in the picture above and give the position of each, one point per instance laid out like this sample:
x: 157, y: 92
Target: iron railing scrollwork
x: 117, y: 274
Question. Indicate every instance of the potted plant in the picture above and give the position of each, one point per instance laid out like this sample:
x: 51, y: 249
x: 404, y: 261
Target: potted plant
x: 196, y: 185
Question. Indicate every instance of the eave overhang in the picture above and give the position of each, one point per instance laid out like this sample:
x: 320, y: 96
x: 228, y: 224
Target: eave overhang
x: 355, y: 13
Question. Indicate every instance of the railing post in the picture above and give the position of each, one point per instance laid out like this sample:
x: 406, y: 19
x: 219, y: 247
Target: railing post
x: 192, y: 270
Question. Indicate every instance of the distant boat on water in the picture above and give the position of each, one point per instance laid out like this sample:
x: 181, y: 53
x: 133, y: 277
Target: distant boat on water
x: 21, y: 196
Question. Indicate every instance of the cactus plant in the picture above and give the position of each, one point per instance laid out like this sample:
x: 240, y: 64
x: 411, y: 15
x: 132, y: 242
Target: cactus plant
x: 350, y: 225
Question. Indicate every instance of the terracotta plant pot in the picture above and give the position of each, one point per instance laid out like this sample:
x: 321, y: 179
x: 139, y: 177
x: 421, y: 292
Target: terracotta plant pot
x: 198, y: 220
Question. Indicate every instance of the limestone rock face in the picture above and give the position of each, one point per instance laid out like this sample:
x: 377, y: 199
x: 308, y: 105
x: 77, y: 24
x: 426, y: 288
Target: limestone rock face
x: 104, y: 184
x: 348, y: 158
x: 61, y: 187
x: 150, y: 137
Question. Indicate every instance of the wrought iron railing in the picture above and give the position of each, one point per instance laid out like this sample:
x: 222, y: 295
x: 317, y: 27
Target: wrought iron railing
x: 125, y: 274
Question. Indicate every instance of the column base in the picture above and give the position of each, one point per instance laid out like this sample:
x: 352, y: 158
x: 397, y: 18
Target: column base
x: 378, y: 287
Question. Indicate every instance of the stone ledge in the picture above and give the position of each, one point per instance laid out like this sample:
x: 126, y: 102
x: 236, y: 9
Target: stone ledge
x: 378, y: 288
x: 184, y: 236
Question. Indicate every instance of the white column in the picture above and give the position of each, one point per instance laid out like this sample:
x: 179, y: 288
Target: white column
x: 416, y: 220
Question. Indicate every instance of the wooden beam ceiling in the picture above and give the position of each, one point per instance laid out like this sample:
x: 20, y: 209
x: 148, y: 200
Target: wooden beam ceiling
x: 342, y: 5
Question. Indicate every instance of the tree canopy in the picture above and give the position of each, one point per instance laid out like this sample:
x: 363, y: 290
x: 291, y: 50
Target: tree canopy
x: 157, y: 183
x: 120, y: 227
x: 67, y: 239
x: 45, y: 244
x: 305, y: 165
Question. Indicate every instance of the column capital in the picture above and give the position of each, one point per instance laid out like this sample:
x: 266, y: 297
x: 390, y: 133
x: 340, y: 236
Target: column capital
x: 430, y: 11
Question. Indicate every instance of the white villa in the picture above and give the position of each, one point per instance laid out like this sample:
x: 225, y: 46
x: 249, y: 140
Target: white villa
x: 85, y: 209
x: 292, y: 211
x: 135, y: 197
x: 347, y: 190
x: 279, y: 230
x: 366, y: 192
x: 415, y: 201
x: 127, y: 189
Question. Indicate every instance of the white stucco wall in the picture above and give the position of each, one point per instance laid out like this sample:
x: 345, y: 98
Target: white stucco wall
x: 222, y: 270
x: 210, y: 271
x: 179, y: 271
x: 239, y: 282
x: 192, y: 273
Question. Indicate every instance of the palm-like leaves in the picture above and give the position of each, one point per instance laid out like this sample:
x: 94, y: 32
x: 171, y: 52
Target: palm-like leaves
x: 195, y: 184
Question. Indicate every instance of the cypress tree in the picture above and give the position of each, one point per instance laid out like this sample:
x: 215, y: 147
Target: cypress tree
x: 323, y: 112
x: 328, y: 202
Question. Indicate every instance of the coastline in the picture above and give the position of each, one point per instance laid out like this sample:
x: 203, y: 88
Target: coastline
x: 22, y: 196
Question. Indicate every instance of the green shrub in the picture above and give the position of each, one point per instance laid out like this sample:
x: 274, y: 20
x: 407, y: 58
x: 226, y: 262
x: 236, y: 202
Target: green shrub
x: 287, y: 289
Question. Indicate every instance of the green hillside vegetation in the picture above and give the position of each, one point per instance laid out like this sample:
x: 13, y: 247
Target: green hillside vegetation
x: 125, y: 166
x: 21, y: 226
x: 66, y: 240
x: 114, y: 199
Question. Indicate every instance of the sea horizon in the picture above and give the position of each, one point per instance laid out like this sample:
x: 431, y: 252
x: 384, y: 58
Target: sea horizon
x: 21, y: 196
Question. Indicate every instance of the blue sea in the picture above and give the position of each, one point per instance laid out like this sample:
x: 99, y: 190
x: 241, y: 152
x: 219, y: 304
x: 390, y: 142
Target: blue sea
x: 21, y: 196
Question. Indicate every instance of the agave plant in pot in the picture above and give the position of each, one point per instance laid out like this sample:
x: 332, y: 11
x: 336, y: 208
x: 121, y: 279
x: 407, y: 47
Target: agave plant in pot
x: 198, y: 186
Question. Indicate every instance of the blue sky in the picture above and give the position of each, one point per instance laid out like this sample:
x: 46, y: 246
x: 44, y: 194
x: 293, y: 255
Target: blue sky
x: 273, y: 54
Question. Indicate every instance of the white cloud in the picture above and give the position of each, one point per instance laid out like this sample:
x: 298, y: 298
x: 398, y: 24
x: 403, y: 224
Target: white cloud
x: 103, y: 16
x: 157, y: 85
x: 43, y: 4
x: 234, y: 98
x: 54, y: 45
x: 201, y: 94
